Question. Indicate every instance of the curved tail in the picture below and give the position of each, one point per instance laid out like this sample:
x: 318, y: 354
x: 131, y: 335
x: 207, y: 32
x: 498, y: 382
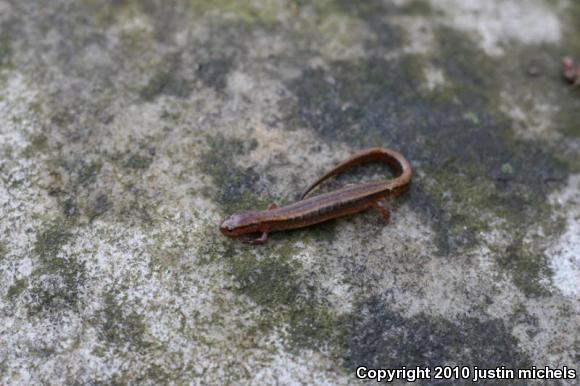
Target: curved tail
x: 394, y: 159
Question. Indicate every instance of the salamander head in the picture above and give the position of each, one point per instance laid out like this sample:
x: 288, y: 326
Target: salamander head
x: 240, y: 224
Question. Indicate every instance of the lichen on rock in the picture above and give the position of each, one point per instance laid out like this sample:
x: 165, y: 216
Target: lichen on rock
x: 131, y: 128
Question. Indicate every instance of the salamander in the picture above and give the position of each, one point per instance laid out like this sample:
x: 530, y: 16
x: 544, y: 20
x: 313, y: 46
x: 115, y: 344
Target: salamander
x: 323, y: 207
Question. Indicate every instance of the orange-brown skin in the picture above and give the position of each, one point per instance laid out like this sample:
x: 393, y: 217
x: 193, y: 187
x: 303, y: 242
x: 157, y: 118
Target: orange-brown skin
x: 327, y: 206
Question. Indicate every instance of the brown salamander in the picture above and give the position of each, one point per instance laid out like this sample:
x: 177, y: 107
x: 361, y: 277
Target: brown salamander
x: 338, y: 203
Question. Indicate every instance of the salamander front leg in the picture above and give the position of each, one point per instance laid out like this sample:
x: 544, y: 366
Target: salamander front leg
x: 264, y: 236
x: 258, y: 241
x: 385, y: 213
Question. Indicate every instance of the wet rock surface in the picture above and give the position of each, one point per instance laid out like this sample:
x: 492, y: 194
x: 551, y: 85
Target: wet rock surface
x: 131, y: 128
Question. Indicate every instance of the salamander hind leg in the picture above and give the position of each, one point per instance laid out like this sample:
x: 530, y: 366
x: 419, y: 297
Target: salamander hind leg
x: 272, y: 206
x: 382, y: 207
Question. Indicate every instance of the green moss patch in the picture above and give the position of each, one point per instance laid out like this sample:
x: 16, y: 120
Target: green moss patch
x: 213, y: 73
x: 50, y: 241
x: 3, y: 250
x: 16, y: 289
x: 275, y: 282
x: 38, y: 144
x: 167, y: 82
x: 529, y: 268
x: 236, y: 188
x: 118, y: 326
x: 378, y: 336
x: 265, y: 13
x: 56, y: 283
x: 5, y: 51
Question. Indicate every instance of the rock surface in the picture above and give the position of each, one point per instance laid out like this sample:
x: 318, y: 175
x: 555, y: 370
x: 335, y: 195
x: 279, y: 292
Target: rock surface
x: 130, y: 128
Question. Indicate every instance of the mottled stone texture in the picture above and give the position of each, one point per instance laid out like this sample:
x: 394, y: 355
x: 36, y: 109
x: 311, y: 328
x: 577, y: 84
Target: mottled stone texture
x: 129, y: 128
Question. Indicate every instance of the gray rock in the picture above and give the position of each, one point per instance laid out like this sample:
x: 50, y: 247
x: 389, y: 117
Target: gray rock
x: 131, y: 128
